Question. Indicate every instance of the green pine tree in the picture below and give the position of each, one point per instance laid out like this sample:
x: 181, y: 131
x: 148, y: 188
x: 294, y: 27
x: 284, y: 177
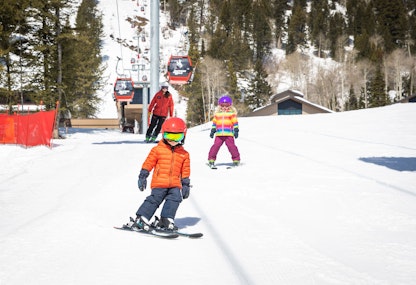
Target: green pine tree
x: 318, y: 21
x: 297, y: 36
x: 83, y: 60
x: 392, y: 18
x: 262, y: 36
x: 378, y: 96
x: 195, y: 108
x: 352, y: 102
x: 259, y: 89
x: 14, y: 49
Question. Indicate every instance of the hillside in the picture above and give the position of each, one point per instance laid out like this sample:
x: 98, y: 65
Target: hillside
x: 316, y: 70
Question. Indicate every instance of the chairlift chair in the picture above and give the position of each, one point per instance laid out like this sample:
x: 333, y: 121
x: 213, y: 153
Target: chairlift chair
x: 123, y: 89
x: 179, y: 69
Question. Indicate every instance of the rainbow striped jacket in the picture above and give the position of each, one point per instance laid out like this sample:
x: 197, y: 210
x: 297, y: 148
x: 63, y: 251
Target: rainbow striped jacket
x: 224, y: 122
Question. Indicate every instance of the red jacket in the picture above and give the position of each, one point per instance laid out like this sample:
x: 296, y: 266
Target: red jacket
x: 170, y: 165
x: 161, y: 105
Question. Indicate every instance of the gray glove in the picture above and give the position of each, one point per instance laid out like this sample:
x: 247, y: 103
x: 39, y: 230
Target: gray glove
x: 186, y: 187
x: 211, y: 135
x: 142, y: 182
x: 236, y: 132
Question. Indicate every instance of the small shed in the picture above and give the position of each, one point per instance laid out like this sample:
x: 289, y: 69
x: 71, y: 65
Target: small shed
x: 409, y: 99
x: 289, y: 102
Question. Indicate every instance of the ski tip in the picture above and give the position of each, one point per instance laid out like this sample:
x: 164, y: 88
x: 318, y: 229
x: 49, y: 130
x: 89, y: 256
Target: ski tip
x: 196, y: 235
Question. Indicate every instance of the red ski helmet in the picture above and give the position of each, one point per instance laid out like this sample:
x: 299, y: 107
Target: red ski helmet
x: 174, y: 125
x: 225, y: 100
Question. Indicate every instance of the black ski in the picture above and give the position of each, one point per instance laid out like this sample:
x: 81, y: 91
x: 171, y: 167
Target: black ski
x: 227, y: 166
x: 151, y: 232
x: 180, y: 233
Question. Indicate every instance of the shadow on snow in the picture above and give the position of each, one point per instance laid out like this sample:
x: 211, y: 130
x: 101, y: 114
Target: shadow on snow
x: 395, y: 163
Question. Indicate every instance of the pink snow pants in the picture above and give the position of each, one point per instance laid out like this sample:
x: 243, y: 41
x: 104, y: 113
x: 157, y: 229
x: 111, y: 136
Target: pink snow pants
x: 229, y: 142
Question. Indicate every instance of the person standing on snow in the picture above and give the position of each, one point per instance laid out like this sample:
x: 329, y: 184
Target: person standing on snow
x: 225, y: 128
x: 160, y: 108
x: 170, y: 180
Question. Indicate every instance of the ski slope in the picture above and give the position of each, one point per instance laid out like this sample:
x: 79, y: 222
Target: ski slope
x: 320, y: 199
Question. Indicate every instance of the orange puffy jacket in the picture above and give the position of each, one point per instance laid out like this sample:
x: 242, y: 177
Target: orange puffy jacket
x: 170, y: 165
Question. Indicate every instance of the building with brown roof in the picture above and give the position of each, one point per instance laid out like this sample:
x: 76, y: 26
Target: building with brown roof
x: 289, y: 102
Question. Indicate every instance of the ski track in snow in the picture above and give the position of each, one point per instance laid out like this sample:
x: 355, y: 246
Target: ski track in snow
x: 241, y: 272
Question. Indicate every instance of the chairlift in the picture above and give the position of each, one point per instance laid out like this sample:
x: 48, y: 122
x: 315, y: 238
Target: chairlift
x: 179, y: 69
x: 123, y: 89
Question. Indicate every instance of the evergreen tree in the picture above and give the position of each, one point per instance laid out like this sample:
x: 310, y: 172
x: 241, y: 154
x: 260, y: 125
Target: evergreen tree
x: 261, y: 30
x: 352, y: 102
x: 361, y: 99
x: 337, y: 30
x: 392, y: 23
x: 241, y: 14
x: 228, y: 41
x: 364, y: 28
x: 278, y: 14
x: 47, y: 22
x: 195, y: 107
x: 378, y: 97
x: 259, y: 90
x: 352, y: 19
x: 83, y: 82
x: 296, y: 29
x: 175, y: 10
x: 318, y: 21
x: 13, y: 44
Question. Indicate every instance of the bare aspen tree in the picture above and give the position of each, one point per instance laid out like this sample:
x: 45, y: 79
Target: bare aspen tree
x: 297, y: 66
x: 342, y: 57
x: 213, y: 83
x: 273, y: 69
x: 398, y: 65
x: 318, y: 89
x: 412, y: 59
x: 321, y: 43
x: 353, y: 77
x: 326, y: 88
x: 365, y: 69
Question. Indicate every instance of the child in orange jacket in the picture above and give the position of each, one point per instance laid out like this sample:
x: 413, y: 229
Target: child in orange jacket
x: 170, y: 180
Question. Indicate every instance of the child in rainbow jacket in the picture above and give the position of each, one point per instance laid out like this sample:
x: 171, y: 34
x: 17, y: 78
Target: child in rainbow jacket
x: 225, y: 129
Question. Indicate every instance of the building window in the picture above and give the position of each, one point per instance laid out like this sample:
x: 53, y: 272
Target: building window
x: 289, y: 107
x: 138, y: 96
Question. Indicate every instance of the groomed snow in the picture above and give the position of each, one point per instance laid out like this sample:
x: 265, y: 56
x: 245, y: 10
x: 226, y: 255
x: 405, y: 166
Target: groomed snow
x: 319, y: 199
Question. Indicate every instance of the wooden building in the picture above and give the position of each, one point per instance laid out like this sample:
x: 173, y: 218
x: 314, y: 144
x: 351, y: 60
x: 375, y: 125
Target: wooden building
x: 289, y: 102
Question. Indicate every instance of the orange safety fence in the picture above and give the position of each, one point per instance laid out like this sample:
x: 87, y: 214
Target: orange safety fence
x: 28, y: 130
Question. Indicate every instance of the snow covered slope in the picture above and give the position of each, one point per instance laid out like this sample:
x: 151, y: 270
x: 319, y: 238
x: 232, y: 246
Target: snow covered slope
x: 320, y: 199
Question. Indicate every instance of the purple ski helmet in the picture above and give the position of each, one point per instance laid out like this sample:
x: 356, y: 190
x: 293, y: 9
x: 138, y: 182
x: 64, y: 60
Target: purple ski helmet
x: 225, y: 100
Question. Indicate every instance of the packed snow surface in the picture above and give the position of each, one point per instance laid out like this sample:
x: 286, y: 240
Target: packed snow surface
x: 319, y: 199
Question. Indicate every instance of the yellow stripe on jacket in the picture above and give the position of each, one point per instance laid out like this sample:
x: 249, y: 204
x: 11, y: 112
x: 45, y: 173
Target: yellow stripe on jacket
x: 225, y: 121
